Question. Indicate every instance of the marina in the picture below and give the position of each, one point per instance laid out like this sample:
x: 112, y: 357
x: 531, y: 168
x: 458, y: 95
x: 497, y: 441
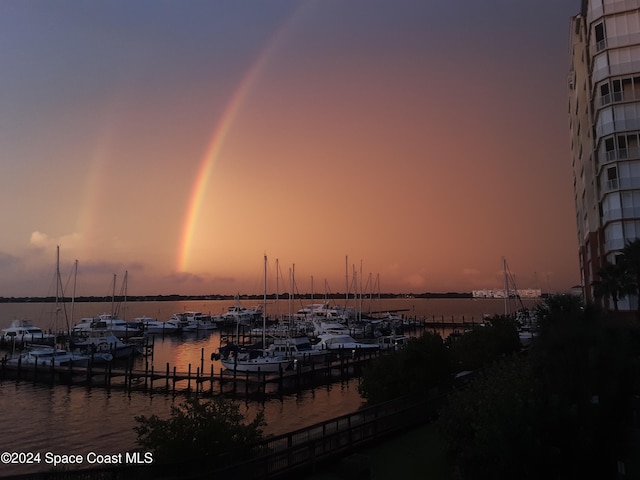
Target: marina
x: 78, y: 416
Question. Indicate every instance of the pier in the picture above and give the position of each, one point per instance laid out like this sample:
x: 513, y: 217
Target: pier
x: 333, y: 366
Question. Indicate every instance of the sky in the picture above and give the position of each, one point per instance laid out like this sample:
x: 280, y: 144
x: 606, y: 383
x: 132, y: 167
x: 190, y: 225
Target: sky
x: 380, y: 146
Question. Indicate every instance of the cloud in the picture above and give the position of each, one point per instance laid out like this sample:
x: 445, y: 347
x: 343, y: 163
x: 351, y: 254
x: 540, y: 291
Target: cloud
x: 43, y: 241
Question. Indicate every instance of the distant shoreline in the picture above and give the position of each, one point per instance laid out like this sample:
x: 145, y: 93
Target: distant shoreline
x: 177, y: 298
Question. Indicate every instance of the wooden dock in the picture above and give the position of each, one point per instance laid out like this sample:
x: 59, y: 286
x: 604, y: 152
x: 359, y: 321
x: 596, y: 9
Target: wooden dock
x: 333, y: 366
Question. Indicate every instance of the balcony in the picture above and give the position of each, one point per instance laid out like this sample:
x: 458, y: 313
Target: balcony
x: 623, y: 125
x: 632, y: 183
x: 620, y: 214
x: 621, y: 154
x: 627, y: 68
x: 613, y: 244
x: 610, y: 98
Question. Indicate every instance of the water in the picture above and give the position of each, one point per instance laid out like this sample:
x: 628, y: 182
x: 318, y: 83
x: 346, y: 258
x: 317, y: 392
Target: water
x: 68, y: 420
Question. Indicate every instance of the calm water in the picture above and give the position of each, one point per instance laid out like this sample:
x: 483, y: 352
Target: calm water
x: 76, y: 420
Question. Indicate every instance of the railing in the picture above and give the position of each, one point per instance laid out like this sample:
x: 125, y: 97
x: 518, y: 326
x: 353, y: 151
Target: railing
x: 281, y: 455
x: 621, y: 184
x: 304, y: 448
x: 621, y: 125
x: 620, y: 213
x: 611, y: 98
x: 614, y: 70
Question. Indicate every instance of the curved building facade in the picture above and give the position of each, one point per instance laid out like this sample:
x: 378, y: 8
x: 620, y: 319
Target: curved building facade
x: 604, y: 120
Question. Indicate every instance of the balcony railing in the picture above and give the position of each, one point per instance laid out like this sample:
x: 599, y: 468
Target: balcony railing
x: 613, y: 70
x: 622, y: 125
x: 610, y: 98
x: 614, y: 244
x: 620, y: 184
x: 621, y: 213
x: 620, y: 154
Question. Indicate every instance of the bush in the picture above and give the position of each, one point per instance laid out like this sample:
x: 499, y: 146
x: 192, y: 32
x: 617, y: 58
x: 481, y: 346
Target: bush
x: 197, y: 430
x: 423, y: 365
x: 483, y: 345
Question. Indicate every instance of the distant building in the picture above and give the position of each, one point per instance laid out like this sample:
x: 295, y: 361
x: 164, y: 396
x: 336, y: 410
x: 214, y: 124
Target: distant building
x: 500, y: 293
x: 604, y: 121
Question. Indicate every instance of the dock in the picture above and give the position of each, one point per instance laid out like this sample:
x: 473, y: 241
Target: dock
x: 334, y: 366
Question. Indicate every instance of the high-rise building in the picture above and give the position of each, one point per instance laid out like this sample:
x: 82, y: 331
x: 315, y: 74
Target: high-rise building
x: 604, y: 119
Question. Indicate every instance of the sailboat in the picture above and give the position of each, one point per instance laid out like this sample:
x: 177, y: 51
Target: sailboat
x: 254, y: 360
x: 527, y: 324
x: 40, y: 355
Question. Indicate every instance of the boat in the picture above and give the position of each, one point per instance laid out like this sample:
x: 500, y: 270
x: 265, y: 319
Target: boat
x: 200, y: 321
x: 253, y: 360
x: 46, y: 355
x: 331, y: 341
x: 151, y: 326
x: 103, y: 341
x: 105, y: 321
x: 23, y: 331
x: 295, y: 347
x: 240, y: 315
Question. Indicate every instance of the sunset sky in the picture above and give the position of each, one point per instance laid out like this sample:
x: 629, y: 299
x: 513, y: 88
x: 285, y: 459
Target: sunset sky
x: 414, y: 142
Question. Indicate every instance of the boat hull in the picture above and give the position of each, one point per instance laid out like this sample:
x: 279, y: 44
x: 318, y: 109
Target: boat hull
x: 257, y: 365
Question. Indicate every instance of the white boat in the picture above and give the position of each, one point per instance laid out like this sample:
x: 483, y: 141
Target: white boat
x: 254, y: 360
x: 103, y: 341
x: 192, y: 321
x: 106, y: 321
x: 46, y: 355
x: 23, y: 331
x: 151, y: 326
x: 323, y: 312
x: 297, y: 348
x: 200, y: 321
x: 240, y: 315
x: 322, y: 327
x: 330, y: 341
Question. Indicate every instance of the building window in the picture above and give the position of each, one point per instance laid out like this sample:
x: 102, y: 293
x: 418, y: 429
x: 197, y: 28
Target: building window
x: 604, y: 94
x: 612, y: 178
x: 600, y: 38
x: 617, y: 90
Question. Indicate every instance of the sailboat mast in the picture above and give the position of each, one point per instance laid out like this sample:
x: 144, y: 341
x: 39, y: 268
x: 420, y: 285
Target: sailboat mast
x: 113, y: 295
x: 55, y: 328
x: 73, y: 299
x: 277, y: 289
x: 264, y: 307
x: 506, y: 286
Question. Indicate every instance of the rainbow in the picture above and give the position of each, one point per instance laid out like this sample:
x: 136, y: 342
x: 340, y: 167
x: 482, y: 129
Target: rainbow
x: 222, y: 128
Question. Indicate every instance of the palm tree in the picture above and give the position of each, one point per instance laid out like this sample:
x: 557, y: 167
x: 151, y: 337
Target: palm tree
x: 631, y: 258
x: 615, y: 283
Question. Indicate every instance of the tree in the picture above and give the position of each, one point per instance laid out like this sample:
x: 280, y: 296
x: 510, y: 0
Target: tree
x: 197, y: 430
x: 561, y: 411
x: 631, y: 260
x: 423, y: 365
x: 615, y: 283
x: 483, y: 345
x: 491, y: 427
